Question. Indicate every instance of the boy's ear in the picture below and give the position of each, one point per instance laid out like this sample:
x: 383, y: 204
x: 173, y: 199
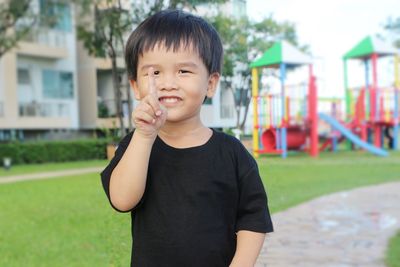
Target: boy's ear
x: 135, y: 89
x: 212, y: 84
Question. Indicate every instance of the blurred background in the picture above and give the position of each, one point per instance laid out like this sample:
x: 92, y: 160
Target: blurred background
x: 65, y: 103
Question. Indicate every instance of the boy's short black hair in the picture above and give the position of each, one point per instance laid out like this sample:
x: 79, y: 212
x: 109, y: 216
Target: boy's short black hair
x: 174, y: 29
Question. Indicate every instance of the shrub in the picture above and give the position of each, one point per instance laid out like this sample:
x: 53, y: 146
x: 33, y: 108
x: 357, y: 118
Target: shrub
x: 54, y: 151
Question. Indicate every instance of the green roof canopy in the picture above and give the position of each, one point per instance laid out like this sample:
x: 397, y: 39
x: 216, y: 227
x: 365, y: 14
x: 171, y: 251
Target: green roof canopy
x: 368, y: 46
x: 282, y: 52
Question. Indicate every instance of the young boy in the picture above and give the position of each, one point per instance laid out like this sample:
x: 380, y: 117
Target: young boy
x: 195, y: 194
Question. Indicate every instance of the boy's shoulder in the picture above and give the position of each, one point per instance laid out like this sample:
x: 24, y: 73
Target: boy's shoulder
x: 228, y: 139
x: 228, y: 142
x: 231, y: 143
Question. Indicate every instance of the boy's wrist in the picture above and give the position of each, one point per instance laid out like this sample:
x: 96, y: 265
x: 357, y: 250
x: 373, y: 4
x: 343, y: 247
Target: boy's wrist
x: 147, y: 138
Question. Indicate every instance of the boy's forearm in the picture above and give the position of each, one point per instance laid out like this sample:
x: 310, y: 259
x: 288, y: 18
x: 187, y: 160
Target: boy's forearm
x: 248, y: 248
x: 128, y: 179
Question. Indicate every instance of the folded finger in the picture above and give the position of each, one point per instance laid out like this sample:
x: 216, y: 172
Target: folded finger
x: 155, y: 104
x: 142, y: 116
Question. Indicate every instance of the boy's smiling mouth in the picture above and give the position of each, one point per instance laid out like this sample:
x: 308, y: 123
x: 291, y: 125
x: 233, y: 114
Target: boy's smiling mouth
x: 169, y: 100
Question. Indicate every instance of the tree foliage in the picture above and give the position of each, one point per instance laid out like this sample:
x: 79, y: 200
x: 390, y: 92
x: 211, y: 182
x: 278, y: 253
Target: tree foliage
x: 21, y: 19
x: 244, y: 41
x: 16, y: 20
x: 393, y: 27
x: 101, y: 28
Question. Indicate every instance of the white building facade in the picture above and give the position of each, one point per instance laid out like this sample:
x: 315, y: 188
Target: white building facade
x: 51, y: 88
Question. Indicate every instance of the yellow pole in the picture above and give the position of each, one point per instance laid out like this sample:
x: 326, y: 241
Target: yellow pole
x: 351, y: 104
x: 254, y: 92
x: 386, y: 102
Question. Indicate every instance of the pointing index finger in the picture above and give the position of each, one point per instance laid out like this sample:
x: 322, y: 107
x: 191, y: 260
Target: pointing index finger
x: 153, y: 91
x: 152, y: 82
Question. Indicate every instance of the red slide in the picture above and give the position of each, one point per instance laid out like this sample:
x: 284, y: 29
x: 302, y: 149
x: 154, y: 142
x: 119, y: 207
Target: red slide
x: 296, y: 137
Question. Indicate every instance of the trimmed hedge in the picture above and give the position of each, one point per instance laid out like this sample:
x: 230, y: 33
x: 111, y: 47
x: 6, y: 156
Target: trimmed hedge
x: 53, y: 151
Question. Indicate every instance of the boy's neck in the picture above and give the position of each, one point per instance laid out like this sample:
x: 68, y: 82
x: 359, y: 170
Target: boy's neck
x: 185, y: 134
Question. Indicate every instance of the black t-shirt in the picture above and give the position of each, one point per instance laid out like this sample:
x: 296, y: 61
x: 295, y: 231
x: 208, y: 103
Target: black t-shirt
x: 195, y: 201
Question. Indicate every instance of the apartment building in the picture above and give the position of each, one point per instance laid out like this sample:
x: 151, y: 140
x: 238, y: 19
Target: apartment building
x: 38, y: 81
x: 51, y: 88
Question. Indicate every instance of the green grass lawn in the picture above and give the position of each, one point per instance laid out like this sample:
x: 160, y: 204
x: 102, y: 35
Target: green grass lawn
x: 37, y: 168
x: 300, y: 178
x: 68, y: 221
x: 393, y: 252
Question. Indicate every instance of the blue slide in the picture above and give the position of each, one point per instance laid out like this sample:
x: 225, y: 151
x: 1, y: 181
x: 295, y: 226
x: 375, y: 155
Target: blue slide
x: 352, y: 137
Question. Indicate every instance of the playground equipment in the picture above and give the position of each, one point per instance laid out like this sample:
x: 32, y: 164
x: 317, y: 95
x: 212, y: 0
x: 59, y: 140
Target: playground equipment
x: 286, y: 119
x: 351, y: 136
x: 373, y: 110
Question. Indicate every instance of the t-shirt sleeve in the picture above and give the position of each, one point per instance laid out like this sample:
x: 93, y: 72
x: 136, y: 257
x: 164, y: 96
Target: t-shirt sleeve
x: 253, y: 212
x: 106, y: 173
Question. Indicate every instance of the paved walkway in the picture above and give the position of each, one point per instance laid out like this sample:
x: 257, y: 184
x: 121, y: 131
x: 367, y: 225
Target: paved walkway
x: 344, y: 229
x: 46, y: 175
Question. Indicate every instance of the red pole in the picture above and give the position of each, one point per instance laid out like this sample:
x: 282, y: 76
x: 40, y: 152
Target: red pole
x: 374, y: 100
x: 312, y: 98
x: 363, y: 116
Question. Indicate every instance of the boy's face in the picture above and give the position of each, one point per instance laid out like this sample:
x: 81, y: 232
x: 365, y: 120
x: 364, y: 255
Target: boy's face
x: 181, y: 78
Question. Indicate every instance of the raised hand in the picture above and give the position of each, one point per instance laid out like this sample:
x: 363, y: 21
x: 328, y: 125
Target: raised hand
x: 149, y: 115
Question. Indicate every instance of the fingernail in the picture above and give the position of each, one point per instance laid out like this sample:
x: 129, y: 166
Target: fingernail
x: 158, y: 113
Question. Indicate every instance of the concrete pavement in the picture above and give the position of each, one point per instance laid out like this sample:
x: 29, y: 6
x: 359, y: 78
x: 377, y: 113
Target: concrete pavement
x: 344, y: 229
x: 47, y: 175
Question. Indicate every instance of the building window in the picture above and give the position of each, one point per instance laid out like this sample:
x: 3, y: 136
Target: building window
x: 57, y: 85
x: 58, y: 14
x: 207, y: 101
x: 24, y: 77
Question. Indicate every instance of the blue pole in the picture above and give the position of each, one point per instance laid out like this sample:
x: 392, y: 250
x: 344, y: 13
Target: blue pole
x: 334, y: 143
x: 278, y: 138
x: 284, y: 148
x: 396, y: 120
x: 283, y: 131
x: 260, y: 132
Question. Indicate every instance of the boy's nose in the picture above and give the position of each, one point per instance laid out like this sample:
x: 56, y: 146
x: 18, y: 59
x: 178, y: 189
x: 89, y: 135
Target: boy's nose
x: 167, y: 82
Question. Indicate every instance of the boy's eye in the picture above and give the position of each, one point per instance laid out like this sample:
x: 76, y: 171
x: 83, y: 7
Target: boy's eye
x: 184, y: 71
x: 156, y: 72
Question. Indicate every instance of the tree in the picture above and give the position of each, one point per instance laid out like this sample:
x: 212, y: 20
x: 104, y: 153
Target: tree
x: 104, y: 38
x: 111, y: 22
x: 244, y: 41
x: 16, y: 20
x: 392, y: 26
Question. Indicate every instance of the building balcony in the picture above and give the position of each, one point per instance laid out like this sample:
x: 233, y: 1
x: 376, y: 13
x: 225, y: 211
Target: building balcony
x: 43, y: 115
x: 105, y: 63
x: 45, y: 109
x: 106, y: 114
x: 106, y: 109
x: 44, y: 43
